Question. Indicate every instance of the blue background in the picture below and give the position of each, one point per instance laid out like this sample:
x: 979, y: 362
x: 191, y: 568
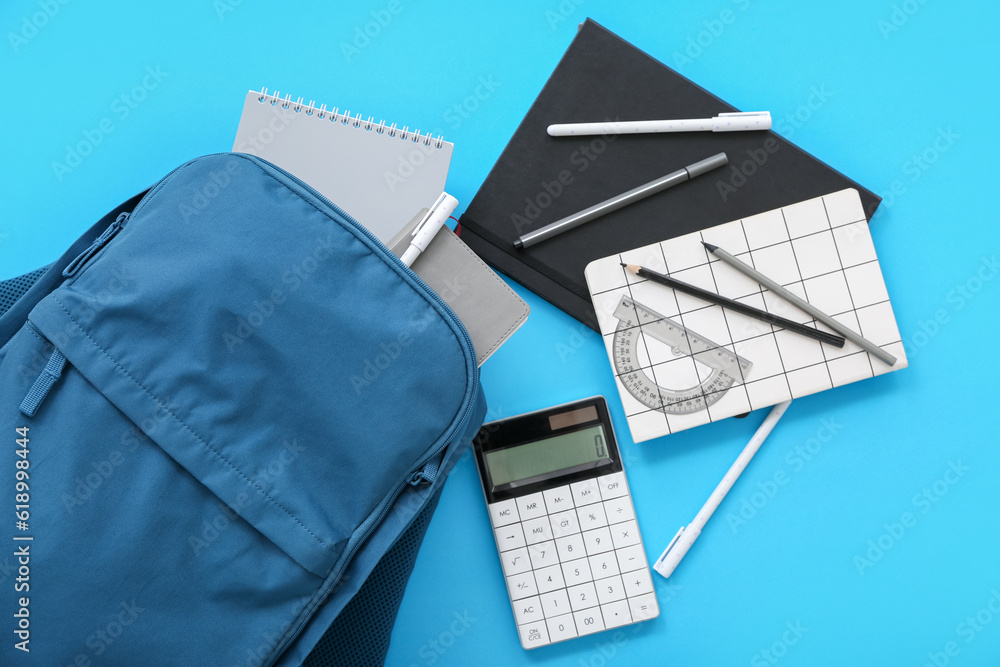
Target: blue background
x: 898, y: 78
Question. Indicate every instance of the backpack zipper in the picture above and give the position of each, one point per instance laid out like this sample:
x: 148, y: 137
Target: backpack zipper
x: 375, y: 519
x: 365, y: 530
x: 426, y: 469
x: 74, y: 267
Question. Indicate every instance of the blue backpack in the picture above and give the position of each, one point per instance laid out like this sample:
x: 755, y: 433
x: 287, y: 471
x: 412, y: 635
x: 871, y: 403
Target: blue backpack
x: 227, y: 413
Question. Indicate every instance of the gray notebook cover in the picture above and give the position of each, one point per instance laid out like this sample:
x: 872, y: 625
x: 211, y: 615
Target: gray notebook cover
x: 379, y: 173
x: 487, y: 306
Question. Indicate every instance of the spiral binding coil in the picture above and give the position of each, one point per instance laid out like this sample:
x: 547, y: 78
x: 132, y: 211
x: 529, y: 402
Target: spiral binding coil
x: 346, y: 119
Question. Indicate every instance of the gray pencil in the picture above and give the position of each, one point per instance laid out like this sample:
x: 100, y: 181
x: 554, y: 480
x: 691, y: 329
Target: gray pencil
x: 624, y: 199
x: 802, y: 304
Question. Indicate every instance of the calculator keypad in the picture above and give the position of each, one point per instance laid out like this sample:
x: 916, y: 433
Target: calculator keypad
x: 573, y: 560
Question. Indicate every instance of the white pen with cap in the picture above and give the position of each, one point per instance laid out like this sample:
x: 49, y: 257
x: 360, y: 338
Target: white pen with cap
x: 427, y: 228
x: 738, y: 121
x: 686, y: 536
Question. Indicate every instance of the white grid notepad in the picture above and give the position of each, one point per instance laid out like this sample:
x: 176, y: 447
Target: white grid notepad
x: 681, y: 362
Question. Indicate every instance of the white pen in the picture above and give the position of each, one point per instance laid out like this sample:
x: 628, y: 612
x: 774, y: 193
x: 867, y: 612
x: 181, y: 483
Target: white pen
x: 425, y: 230
x: 685, y: 537
x: 738, y: 121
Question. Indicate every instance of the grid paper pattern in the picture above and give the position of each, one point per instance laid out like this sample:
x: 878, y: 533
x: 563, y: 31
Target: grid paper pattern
x: 820, y: 249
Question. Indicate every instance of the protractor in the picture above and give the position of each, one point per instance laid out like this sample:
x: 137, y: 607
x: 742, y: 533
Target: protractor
x: 635, y: 321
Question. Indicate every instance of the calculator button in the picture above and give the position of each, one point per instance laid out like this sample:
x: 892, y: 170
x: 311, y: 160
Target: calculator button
x: 619, y: 509
x: 522, y: 586
x: 583, y: 596
x: 644, y: 607
x: 543, y: 555
x: 530, y: 507
x: 570, y: 548
x: 585, y: 492
x: 588, y: 620
x: 638, y: 583
x: 631, y: 558
x: 557, y: 500
x: 613, y: 485
x: 528, y: 610
x: 603, y: 565
x: 510, y: 537
x: 624, y: 534
x: 515, y: 561
x: 537, y: 530
x: 576, y: 571
x: 610, y: 589
x: 561, y: 627
x: 555, y: 603
x: 616, y: 613
x: 533, y: 634
x: 597, y: 541
x: 549, y: 578
x: 592, y: 516
x: 503, y: 513
x: 564, y: 523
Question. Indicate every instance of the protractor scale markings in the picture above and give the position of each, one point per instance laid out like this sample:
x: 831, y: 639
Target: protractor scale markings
x: 635, y: 321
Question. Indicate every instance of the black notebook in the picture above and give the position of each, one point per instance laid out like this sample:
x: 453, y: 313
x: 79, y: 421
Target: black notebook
x: 539, y: 179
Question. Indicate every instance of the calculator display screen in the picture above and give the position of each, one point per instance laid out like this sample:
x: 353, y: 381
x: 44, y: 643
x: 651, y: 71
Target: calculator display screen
x: 538, y: 460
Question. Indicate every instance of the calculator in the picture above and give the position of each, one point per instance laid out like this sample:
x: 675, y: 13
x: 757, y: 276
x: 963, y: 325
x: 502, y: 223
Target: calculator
x: 564, y: 523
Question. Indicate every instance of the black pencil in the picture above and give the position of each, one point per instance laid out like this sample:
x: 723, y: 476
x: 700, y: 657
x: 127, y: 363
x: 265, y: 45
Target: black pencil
x: 749, y: 311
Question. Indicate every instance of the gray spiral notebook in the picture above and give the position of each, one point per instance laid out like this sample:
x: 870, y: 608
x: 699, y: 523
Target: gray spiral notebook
x: 379, y: 173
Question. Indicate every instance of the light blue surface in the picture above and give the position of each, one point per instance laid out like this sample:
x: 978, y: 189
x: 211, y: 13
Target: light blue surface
x: 887, y: 96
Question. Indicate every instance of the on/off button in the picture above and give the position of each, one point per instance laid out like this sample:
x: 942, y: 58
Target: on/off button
x: 612, y: 486
x: 533, y: 634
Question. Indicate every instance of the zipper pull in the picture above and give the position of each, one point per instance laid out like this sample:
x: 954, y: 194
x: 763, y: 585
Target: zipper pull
x: 427, y: 474
x: 43, y: 384
x: 102, y: 240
